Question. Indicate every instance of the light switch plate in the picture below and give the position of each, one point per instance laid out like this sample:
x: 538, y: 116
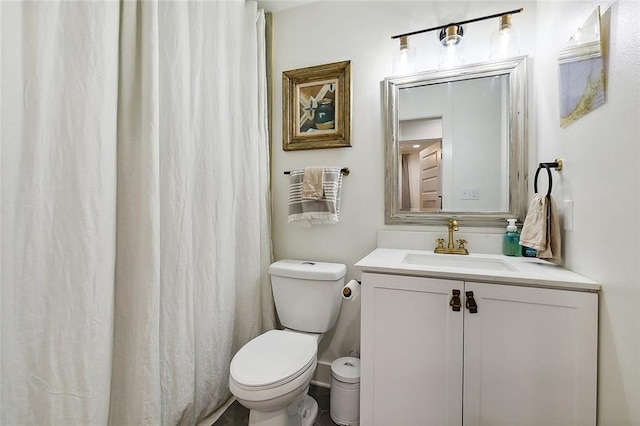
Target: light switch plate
x: 470, y: 194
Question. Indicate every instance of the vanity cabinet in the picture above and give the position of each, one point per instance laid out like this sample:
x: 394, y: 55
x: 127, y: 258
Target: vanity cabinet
x: 526, y: 356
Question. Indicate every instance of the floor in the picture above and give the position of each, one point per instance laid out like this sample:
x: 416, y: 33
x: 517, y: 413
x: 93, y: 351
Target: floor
x: 237, y: 415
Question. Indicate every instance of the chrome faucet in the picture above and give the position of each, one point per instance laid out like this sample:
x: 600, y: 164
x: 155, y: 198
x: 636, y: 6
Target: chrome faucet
x: 450, y: 248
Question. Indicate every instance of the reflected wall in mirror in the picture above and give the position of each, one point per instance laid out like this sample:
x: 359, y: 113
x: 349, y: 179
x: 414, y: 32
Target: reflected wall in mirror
x: 456, y: 145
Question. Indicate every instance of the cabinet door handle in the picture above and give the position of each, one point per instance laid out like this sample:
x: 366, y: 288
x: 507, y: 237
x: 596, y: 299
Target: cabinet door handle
x: 471, y: 304
x: 455, y: 302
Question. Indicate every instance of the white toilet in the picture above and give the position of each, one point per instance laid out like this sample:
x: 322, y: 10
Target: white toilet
x: 270, y: 375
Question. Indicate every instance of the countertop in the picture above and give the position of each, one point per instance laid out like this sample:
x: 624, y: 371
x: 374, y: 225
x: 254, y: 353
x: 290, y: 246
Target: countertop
x: 526, y: 271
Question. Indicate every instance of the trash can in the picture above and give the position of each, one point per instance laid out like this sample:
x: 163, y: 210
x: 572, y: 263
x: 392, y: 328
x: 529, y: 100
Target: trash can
x: 344, y: 399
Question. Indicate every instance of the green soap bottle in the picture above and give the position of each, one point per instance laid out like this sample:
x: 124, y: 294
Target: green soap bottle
x: 511, y: 240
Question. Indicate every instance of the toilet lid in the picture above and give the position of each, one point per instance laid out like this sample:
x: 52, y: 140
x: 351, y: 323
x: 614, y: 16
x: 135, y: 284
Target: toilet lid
x: 273, y: 358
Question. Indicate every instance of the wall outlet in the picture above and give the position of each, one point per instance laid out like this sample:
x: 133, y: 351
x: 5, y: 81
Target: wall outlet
x: 470, y: 194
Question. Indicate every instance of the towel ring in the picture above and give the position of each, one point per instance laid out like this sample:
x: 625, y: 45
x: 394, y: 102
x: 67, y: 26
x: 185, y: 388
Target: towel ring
x: 556, y: 165
x: 535, y: 181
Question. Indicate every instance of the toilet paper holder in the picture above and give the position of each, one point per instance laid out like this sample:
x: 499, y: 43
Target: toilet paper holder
x: 351, y: 290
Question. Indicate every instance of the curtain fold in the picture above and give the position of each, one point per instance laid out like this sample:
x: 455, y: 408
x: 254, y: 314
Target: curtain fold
x: 135, y: 208
x: 59, y: 109
x: 136, y: 336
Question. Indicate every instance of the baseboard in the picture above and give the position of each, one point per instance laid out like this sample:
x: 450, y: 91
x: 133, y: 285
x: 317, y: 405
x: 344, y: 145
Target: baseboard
x: 322, y: 375
x: 217, y: 414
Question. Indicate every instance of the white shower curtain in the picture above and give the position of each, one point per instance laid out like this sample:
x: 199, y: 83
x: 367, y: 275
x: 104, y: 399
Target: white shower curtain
x: 135, y: 222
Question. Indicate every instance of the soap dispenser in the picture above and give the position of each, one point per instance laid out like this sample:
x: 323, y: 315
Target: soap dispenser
x: 511, y: 240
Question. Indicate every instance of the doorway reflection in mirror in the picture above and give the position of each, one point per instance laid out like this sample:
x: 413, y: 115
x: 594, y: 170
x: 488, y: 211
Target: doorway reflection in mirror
x: 420, y: 150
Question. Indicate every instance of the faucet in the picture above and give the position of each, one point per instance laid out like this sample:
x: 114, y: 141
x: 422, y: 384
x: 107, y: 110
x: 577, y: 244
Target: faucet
x: 450, y: 248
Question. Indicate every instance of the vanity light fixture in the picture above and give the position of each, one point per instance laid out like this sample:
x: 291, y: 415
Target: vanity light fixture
x: 404, y: 59
x: 505, y: 42
x: 450, y: 37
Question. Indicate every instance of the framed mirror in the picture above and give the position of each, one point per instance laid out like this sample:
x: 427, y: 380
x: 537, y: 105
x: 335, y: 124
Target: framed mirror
x: 456, y: 145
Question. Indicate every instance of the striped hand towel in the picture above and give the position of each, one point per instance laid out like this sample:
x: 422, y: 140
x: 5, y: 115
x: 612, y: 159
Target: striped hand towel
x: 325, y: 211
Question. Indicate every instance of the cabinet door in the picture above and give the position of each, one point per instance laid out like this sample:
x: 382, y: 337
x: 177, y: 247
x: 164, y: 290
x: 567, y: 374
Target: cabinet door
x: 411, y: 349
x: 530, y: 356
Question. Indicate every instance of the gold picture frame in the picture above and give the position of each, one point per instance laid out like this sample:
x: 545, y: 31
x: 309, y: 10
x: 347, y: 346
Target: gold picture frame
x: 316, y: 107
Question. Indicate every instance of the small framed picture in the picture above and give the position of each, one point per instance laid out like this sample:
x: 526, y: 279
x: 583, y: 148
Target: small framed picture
x: 316, y: 107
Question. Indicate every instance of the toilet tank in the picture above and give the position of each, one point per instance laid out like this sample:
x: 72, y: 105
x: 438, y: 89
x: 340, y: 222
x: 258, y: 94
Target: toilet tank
x: 307, y: 294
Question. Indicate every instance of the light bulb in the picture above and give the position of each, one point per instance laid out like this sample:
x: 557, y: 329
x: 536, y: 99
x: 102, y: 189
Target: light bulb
x: 404, y: 59
x: 506, y: 41
x: 451, y: 53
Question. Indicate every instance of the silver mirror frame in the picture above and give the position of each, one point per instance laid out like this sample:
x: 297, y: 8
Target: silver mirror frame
x: 516, y: 68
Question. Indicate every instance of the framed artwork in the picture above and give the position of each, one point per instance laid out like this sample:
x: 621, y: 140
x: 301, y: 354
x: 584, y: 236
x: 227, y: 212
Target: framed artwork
x: 581, y: 72
x: 316, y: 107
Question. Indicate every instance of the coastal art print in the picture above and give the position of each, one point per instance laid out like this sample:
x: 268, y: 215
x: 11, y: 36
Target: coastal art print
x: 581, y: 72
x: 316, y: 107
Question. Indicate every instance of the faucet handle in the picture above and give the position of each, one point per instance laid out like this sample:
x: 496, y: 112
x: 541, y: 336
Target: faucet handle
x: 440, y: 242
x: 462, y: 242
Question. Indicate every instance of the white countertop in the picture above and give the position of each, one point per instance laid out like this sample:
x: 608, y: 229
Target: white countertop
x: 526, y: 271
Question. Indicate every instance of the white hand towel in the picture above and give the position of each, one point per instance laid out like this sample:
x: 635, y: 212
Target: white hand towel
x: 533, y: 232
x: 552, y: 251
x: 312, y: 183
x: 541, y: 229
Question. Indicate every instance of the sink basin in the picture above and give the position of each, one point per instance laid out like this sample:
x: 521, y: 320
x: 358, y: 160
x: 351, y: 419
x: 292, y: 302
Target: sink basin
x: 457, y: 261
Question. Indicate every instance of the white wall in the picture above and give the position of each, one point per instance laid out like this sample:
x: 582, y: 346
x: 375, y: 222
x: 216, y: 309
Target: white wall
x: 478, y: 144
x: 419, y: 129
x: 601, y: 153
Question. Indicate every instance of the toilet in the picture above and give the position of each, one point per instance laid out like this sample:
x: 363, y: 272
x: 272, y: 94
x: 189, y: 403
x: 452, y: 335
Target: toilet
x: 270, y: 375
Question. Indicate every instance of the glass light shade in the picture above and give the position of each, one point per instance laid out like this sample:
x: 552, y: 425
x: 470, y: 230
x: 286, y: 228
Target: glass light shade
x: 505, y: 42
x: 404, y: 59
x: 451, y: 56
x: 452, y: 48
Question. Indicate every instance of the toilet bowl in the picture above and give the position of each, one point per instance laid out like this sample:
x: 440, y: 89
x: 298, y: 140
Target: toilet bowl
x: 270, y: 375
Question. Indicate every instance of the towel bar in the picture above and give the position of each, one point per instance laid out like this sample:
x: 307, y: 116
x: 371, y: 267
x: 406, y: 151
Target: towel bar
x: 345, y: 171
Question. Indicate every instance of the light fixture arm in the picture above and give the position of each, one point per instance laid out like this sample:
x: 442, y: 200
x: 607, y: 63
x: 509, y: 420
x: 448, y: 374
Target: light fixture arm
x: 468, y: 21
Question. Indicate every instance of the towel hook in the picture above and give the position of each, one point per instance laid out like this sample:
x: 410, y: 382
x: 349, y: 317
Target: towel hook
x: 556, y: 165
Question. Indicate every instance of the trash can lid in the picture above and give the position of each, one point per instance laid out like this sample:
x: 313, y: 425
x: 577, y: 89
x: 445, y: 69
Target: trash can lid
x: 346, y: 369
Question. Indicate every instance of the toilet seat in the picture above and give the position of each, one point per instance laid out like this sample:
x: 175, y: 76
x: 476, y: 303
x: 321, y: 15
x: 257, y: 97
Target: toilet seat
x: 273, y: 359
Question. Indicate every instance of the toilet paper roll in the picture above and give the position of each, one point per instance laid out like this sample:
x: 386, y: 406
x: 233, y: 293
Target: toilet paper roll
x: 351, y: 291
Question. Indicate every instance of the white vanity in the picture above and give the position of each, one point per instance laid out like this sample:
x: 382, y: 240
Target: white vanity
x: 477, y: 339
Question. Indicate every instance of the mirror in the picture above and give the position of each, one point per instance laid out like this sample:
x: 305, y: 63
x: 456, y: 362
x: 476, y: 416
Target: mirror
x: 456, y: 145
